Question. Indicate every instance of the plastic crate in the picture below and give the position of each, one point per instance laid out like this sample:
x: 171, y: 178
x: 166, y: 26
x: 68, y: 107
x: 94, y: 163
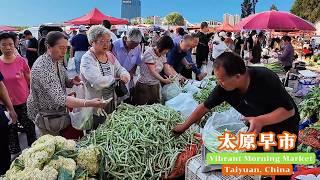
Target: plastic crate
x: 193, y: 172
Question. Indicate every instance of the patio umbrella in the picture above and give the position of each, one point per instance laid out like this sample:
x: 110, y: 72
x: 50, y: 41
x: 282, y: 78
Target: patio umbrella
x: 7, y: 28
x: 275, y: 20
x: 225, y: 27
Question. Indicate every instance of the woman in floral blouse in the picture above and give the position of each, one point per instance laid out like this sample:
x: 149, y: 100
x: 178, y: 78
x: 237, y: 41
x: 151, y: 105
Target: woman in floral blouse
x: 48, y: 99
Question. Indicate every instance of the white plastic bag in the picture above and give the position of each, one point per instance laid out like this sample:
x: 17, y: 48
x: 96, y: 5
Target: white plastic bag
x: 183, y: 103
x: 190, y: 88
x: 217, y: 124
x: 71, y: 64
x: 170, y: 91
x: 204, y: 68
x: 81, y: 118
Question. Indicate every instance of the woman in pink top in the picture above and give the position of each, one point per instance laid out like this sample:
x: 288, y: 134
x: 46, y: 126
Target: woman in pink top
x: 17, y: 78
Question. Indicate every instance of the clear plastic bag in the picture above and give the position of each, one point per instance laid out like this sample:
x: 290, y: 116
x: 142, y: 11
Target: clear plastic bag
x: 183, y: 103
x: 81, y: 118
x: 190, y: 88
x: 170, y: 91
x: 219, y: 123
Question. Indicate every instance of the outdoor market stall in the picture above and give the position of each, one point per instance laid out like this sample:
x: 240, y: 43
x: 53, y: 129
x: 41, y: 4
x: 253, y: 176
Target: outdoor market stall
x: 96, y: 17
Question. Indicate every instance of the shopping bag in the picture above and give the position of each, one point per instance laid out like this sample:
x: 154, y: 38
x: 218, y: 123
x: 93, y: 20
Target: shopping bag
x: 217, y: 124
x: 170, y: 91
x: 71, y: 64
x: 183, y: 103
x: 81, y: 118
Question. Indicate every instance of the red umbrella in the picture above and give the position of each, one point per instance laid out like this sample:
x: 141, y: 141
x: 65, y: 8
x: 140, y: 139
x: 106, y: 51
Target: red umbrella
x: 7, y: 28
x: 225, y: 27
x: 275, y: 20
x: 96, y: 17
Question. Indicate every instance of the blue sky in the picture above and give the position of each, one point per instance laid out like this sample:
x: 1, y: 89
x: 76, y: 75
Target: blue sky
x: 35, y: 12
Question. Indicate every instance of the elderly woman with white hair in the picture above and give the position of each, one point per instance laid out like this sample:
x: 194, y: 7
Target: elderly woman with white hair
x: 100, y: 70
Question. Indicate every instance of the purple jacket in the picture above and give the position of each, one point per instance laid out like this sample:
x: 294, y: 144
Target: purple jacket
x: 287, y: 55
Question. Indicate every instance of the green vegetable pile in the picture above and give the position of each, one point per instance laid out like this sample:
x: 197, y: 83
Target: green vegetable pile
x: 275, y: 67
x: 51, y: 158
x: 311, y: 104
x: 204, y: 93
x: 137, y: 142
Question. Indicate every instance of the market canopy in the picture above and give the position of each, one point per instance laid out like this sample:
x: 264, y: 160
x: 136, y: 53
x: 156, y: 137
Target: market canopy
x: 275, y: 20
x: 96, y: 17
x: 225, y: 27
x: 7, y: 28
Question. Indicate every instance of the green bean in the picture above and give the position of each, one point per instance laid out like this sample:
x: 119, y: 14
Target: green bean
x: 137, y: 141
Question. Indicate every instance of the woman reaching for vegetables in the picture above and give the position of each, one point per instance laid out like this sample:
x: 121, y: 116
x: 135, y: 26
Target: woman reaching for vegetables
x: 48, y: 100
x: 154, y: 61
x: 100, y: 70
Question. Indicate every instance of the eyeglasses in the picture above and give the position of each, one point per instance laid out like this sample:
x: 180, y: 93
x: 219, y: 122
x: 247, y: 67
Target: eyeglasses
x: 103, y: 42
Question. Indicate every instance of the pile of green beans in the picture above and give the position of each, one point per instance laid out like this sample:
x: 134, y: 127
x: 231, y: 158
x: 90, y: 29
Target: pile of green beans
x: 204, y: 93
x: 137, y: 142
x: 275, y: 67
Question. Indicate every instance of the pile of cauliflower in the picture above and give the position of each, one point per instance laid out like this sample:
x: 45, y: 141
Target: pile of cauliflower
x: 51, y: 157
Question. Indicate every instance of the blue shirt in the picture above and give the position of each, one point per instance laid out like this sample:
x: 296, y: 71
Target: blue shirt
x: 128, y: 60
x: 189, y: 59
x: 175, y: 57
x: 80, y: 42
x: 177, y: 39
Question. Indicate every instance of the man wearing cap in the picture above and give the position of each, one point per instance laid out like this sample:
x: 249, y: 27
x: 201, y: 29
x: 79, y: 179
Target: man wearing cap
x: 80, y: 46
x: 128, y: 52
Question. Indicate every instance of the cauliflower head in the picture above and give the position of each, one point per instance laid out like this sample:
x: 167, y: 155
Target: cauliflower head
x: 66, y: 163
x: 88, y: 158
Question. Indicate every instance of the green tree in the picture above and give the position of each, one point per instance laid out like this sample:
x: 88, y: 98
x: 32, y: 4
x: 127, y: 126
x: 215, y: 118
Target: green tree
x: 148, y: 21
x: 174, y: 19
x: 307, y: 9
x: 273, y: 7
x: 246, y: 8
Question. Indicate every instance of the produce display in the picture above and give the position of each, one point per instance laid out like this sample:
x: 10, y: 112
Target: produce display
x: 275, y: 67
x: 54, y: 157
x: 136, y: 142
x: 204, y: 93
x: 311, y: 104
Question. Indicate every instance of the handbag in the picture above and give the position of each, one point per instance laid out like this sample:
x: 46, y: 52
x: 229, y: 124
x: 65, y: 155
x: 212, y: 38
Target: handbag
x: 53, y: 121
x: 121, y: 89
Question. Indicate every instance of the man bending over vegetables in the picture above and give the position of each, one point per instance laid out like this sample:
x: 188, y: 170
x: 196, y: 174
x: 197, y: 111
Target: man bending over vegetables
x: 256, y: 92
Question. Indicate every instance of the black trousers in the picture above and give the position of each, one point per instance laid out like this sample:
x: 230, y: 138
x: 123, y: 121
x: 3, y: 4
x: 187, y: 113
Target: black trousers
x: 28, y: 127
x: 4, y: 147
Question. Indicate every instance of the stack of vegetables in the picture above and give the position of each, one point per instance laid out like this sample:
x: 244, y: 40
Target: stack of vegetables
x: 137, y: 142
x: 54, y: 157
x: 275, y: 67
x: 204, y: 93
x: 311, y: 104
x: 309, y: 137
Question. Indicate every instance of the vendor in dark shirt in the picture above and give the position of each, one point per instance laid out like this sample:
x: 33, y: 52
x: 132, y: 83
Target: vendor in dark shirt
x: 255, y: 92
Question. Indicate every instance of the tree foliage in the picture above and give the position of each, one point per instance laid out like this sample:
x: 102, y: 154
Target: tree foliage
x: 246, y: 8
x: 174, y: 19
x: 307, y: 9
x: 274, y: 7
x: 148, y: 21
